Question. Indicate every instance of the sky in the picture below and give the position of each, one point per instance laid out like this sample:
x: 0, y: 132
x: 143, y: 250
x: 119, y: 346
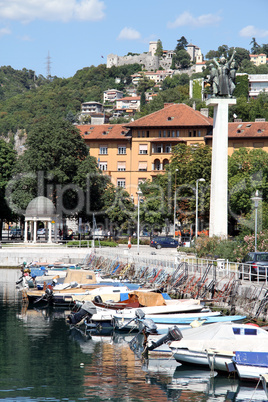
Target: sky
x: 64, y: 36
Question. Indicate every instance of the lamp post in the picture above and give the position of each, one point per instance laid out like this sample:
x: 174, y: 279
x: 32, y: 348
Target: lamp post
x: 139, y: 193
x: 175, y: 201
x: 256, y: 199
x: 196, y: 207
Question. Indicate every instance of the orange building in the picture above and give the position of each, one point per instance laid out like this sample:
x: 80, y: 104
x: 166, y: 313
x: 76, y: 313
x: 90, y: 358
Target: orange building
x: 141, y: 149
x: 249, y: 135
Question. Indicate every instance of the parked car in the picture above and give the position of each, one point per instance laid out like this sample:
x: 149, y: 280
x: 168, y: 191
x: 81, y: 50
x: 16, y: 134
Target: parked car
x: 15, y: 233
x: 254, y: 265
x: 159, y: 242
x: 41, y: 231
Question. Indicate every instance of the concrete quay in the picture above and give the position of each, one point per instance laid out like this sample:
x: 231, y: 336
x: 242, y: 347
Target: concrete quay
x: 15, y: 256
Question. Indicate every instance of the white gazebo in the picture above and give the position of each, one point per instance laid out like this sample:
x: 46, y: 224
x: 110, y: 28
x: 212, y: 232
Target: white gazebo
x: 39, y: 209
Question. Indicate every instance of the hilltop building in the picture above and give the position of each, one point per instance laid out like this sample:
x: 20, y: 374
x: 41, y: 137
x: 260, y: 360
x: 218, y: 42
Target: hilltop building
x: 258, y: 59
x: 150, y: 62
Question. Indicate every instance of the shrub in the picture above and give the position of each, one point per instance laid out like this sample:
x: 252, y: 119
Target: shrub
x: 85, y: 243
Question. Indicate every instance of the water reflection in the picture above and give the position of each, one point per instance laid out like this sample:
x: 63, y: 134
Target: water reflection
x: 43, y: 360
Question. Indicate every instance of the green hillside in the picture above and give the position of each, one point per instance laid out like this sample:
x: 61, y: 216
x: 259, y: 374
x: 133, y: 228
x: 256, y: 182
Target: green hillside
x: 25, y: 98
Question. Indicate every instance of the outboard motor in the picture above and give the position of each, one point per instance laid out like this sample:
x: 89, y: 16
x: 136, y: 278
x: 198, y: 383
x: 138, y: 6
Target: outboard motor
x: 47, y: 296
x: 149, y: 326
x: 97, y: 299
x: 87, y: 310
x: 174, y: 334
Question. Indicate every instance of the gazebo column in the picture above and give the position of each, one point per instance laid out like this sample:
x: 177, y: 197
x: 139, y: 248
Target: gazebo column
x: 49, y: 232
x: 31, y: 224
x: 34, y: 231
x: 26, y: 231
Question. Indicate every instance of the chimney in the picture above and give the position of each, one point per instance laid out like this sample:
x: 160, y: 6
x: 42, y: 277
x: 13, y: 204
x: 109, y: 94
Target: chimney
x: 204, y: 111
x: 259, y: 120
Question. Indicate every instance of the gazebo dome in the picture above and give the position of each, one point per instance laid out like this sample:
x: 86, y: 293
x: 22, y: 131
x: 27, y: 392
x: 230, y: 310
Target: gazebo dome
x: 40, y: 206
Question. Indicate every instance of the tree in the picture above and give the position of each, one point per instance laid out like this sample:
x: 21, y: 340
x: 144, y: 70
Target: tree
x: 51, y: 165
x: 240, y: 55
x: 181, y: 44
x: 119, y: 209
x: 144, y: 84
x: 255, y: 47
x: 143, y: 100
x: 247, y: 171
x: 242, y: 87
x: 159, y: 49
x: 192, y: 162
x: 7, y: 162
x: 183, y: 59
x: 264, y: 48
x: 211, y: 54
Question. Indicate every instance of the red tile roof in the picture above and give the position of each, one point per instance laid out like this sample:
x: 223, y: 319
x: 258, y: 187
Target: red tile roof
x: 258, y: 129
x: 104, y: 132
x: 173, y: 115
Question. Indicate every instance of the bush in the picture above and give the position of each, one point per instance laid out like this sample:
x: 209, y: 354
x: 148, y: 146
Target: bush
x: 85, y: 243
x: 214, y: 247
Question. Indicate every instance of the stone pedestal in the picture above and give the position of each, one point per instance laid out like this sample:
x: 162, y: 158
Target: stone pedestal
x: 218, y: 220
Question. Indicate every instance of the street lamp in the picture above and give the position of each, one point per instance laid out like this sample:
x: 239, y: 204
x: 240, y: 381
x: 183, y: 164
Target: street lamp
x: 256, y: 199
x: 139, y: 193
x: 175, y: 201
x: 196, y: 207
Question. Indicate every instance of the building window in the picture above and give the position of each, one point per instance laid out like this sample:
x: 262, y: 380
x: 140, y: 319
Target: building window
x: 121, y: 166
x: 147, y: 134
x: 140, y: 181
x: 158, y: 149
x: 178, y: 133
x: 258, y: 144
x: 173, y: 133
x: 194, y: 133
x: 142, y: 166
x: 190, y: 133
x: 103, y: 150
x: 139, y: 133
x: 122, y: 150
x: 164, y: 133
x: 157, y: 164
x: 168, y: 149
x: 159, y: 134
x: 168, y: 133
x: 143, y: 149
x: 143, y: 134
x: 103, y: 165
x: 121, y: 183
x: 238, y: 145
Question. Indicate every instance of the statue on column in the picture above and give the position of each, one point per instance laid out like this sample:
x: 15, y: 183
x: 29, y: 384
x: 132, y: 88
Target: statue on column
x: 222, y: 77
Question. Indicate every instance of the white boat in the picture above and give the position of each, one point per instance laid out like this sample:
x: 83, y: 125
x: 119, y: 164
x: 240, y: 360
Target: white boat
x: 251, y: 365
x: 228, y: 337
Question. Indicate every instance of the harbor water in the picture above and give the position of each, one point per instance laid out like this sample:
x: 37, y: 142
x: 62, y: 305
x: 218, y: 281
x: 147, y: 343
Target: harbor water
x: 41, y: 359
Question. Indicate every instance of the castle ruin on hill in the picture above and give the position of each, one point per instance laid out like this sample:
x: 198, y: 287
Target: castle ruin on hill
x: 149, y: 61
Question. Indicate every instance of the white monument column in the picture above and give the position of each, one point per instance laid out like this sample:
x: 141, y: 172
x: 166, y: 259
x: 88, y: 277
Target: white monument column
x: 218, y: 220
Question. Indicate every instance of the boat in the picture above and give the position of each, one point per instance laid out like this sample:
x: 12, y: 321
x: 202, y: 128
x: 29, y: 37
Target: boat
x: 78, y: 285
x: 183, y: 320
x: 250, y: 365
x: 227, y: 336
